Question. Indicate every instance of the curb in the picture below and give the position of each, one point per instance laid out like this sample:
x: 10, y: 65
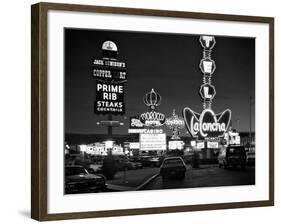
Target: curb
x: 142, y: 186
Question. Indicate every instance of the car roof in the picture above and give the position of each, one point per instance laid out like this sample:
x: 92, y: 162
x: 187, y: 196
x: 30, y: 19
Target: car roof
x: 235, y: 146
x: 173, y: 157
x: 74, y: 166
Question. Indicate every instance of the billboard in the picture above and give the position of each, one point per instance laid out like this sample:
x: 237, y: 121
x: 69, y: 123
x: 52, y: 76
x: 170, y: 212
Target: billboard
x: 212, y: 145
x: 176, y: 144
x: 150, y: 142
x: 109, y: 70
x: 200, y: 145
x: 134, y: 145
x: 109, y: 98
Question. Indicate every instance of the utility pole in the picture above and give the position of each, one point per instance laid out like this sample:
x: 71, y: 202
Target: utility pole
x: 109, y: 127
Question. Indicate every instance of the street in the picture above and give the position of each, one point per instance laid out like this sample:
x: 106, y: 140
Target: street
x: 208, y: 176
x: 148, y: 178
x: 131, y: 179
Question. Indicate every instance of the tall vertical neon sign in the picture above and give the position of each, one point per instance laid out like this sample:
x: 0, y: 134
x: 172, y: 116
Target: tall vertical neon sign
x: 207, y: 124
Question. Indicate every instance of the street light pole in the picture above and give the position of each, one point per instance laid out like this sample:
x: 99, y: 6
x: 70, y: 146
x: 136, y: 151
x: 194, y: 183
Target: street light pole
x: 109, y: 127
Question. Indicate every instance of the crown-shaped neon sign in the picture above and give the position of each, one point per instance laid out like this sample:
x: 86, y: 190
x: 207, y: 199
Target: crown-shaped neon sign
x: 152, y: 118
x: 152, y: 99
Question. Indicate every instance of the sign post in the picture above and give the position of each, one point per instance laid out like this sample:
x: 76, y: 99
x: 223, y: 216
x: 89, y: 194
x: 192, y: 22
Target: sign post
x: 110, y: 75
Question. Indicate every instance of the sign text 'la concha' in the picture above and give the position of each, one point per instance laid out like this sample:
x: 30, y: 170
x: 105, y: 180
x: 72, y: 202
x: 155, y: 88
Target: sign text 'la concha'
x: 207, y: 124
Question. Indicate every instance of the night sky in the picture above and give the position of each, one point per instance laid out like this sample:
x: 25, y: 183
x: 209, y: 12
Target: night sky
x: 166, y: 62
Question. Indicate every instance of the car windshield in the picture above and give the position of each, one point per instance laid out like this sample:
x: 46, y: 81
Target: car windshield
x: 69, y: 171
x: 235, y: 151
x: 173, y: 161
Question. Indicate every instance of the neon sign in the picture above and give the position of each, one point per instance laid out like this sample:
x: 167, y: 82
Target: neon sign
x: 110, y: 75
x: 207, y: 124
x: 152, y: 118
x: 207, y: 91
x: 175, y: 123
x: 109, y: 98
x: 207, y: 42
x: 207, y: 66
x: 135, y: 122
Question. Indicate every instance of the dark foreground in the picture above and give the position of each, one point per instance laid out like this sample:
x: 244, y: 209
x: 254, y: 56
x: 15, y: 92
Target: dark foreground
x: 208, y: 176
x: 148, y: 178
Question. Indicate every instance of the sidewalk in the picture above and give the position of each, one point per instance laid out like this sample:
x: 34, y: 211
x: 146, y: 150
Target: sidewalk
x: 131, y: 179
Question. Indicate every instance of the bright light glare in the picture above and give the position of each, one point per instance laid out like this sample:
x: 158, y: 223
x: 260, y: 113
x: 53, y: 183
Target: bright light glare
x: 108, y: 144
x: 83, y: 148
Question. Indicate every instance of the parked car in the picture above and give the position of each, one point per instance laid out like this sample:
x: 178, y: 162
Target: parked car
x: 123, y: 163
x: 145, y: 160
x: 95, y: 168
x: 136, y: 164
x: 151, y: 161
x: 232, y: 156
x: 127, y: 164
x: 173, y: 167
x: 154, y: 162
x: 91, y: 171
x: 78, y: 180
x: 251, y: 158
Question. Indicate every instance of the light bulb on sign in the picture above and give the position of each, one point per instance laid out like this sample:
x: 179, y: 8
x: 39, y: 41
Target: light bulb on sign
x: 207, y: 66
x: 207, y: 42
x: 207, y: 91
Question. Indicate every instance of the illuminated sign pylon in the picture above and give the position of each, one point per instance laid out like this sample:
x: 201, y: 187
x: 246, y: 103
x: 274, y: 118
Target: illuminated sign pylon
x: 208, y: 67
x: 152, y: 118
x: 175, y: 123
x: 207, y: 124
